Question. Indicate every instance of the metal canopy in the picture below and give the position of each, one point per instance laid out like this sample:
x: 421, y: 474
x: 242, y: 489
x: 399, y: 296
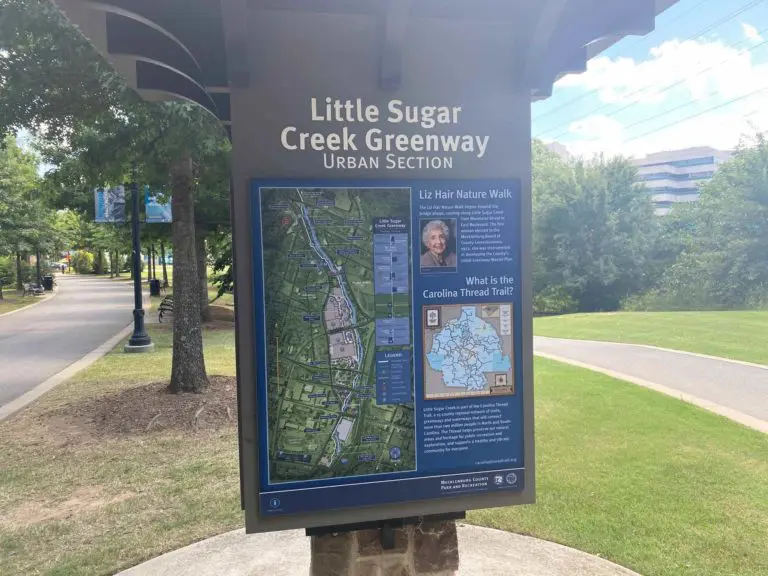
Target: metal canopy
x: 178, y: 49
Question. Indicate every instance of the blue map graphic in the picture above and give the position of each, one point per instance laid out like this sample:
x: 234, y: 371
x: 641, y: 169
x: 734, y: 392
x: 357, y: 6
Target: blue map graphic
x: 465, y: 349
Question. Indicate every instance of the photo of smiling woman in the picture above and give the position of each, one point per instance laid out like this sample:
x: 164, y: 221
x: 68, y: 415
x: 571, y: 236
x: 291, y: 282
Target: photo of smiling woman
x: 438, y: 252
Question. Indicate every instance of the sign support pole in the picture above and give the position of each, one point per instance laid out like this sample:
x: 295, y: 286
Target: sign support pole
x: 140, y: 341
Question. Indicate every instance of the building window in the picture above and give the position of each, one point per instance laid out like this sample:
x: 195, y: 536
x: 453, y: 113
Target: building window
x: 682, y: 163
x: 676, y: 177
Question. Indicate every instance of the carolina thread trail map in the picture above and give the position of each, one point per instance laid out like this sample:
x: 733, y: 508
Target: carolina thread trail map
x: 468, y: 351
x: 328, y: 322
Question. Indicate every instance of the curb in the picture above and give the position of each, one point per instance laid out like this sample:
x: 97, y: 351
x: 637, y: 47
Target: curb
x: 28, y: 306
x: 673, y: 350
x: 22, y: 401
x: 730, y: 413
x: 698, y: 355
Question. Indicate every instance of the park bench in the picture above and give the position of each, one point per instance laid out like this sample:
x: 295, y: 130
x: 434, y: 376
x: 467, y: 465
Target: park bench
x: 166, y: 307
x: 33, y: 289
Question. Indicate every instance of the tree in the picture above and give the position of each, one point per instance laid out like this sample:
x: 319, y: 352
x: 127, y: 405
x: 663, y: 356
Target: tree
x: 211, y: 215
x: 49, y: 74
x: 22, y: 218
x: 721, y: 240
x: 594, y: 232
x: 95, y: 129
x: 169, y: 142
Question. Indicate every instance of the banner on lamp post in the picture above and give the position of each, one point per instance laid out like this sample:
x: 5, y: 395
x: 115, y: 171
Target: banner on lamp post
x: 158, y: 207
x: 109, y: 204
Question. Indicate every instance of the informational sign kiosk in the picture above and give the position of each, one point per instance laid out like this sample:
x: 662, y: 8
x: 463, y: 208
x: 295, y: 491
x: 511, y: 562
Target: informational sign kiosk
x: 381, y: 199
x: 384, y: 234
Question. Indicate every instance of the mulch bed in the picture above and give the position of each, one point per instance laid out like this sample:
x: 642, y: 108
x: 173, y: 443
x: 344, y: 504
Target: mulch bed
x: 149, y: 409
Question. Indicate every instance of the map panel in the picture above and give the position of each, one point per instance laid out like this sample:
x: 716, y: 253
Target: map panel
x: 468, y: 350
x: 338, y: 315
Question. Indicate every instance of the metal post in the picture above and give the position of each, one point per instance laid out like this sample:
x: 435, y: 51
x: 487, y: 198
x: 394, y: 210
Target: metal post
x: 140, y: 340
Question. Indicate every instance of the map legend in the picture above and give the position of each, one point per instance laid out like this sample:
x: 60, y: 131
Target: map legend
x: 393, y: 377
x: 390, y: 256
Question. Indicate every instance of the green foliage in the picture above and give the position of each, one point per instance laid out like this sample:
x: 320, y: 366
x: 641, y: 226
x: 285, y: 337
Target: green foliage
x: 7, y: 270
x: 722, y: 261
x: 220, y: 248
x: 49, y: 74
x: 554, y: 300
x: 19, y: 215
x: 594, y: 233
x: 9, y: 275
x: 82, y: 262
x: 70, y: 229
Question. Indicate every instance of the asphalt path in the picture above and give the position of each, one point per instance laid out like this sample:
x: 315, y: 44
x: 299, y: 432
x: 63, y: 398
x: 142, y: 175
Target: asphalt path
x: 40, y: 341
x: 736, y: 386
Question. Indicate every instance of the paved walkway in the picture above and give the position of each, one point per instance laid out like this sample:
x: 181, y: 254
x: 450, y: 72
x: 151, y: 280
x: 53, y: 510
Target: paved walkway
x: 737, y: 387
x: 41, y: 341
x: 482, y: 552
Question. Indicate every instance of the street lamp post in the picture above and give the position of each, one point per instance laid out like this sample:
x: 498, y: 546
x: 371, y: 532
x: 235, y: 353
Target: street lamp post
x: 140, y: 340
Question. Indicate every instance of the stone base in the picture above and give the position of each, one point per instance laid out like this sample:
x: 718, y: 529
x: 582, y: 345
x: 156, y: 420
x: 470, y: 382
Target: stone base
x: 128, y: 349
x: 428, y: 549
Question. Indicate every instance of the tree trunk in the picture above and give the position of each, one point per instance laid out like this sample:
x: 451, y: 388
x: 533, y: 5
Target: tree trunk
x: 98, y: 266
x: 19, y: 279
x: 117, y: 263
x: 202, y: 272
x: 165, y: 269
x: 188, y: 369
x: 154, y: 262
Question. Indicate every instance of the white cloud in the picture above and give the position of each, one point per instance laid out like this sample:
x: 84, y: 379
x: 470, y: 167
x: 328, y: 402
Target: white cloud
x: 722, y: 129
x: 701, y: 67
x: 705, y: 74
x: 751, y: 32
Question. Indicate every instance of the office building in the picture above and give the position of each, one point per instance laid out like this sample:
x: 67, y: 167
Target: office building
x: 675, y: 176
x: 560, y: 150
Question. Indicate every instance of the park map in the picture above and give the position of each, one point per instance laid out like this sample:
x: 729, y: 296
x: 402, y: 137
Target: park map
x: 329, y: 321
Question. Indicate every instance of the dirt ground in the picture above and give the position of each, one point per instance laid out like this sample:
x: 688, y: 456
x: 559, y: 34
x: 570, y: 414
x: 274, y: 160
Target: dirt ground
x: 136, y: 411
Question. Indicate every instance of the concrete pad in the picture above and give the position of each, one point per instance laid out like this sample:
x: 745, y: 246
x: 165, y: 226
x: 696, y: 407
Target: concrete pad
x: 483, y: 552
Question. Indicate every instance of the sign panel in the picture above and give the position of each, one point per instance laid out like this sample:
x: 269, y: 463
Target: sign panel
x: 157, y: 206
x: 109, y: 204
x: 388, y: 329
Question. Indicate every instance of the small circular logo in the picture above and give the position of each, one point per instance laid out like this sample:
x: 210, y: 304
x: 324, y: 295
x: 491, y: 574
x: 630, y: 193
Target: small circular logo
x: 275, y: 503
x: 511, y: 478
x: 395, y: 453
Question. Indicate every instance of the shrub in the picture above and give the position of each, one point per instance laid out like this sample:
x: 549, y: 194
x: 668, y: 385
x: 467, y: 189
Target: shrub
x: 554, y: 300
x: 7, y: 270
x: 82, y: 262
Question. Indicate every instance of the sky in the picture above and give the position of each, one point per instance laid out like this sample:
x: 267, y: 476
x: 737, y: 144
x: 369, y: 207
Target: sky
x: 699, y: 79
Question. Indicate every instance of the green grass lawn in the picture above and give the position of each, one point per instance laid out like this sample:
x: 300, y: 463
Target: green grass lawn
x: 224, y: 300
x: 737, y: 335
x: 73, y: 507
x: 13, y: 300
x: 635, y: 476
x: 644, y: 480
